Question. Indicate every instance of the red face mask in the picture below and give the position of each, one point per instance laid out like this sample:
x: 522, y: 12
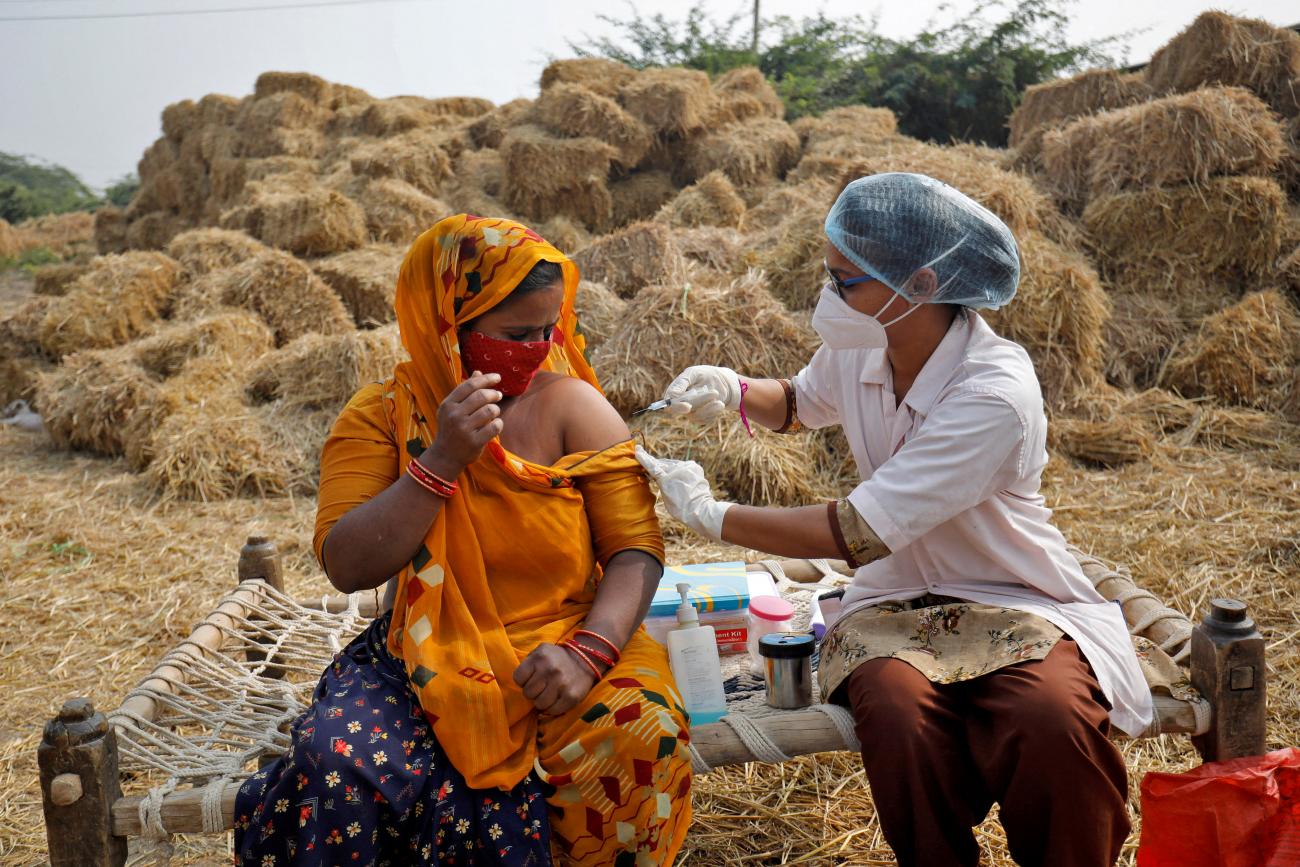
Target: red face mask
x: 516, y: 362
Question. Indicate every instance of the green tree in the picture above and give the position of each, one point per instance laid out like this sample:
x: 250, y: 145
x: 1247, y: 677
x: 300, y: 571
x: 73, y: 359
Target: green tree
x: 40, y: 188
x: 123, y: 189
x: 958, y: 79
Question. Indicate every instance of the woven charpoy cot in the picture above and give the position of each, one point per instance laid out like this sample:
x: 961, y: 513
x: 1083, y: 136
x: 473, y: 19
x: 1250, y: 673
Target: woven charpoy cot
x: 221, y: 702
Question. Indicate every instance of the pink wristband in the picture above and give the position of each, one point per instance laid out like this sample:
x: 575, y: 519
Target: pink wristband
x: 744, y: 419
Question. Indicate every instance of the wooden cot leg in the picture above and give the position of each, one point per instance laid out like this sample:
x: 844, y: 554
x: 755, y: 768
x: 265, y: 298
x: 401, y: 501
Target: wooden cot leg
x: 1228, y: 670
x: 260, y: 559
x: 79, y: 783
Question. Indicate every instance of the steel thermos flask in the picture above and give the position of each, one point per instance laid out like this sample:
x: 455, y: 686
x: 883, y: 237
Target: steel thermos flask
x: 787, y: 663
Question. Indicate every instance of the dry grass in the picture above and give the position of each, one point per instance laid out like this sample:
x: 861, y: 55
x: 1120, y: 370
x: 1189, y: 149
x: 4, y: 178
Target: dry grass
x: 573, y: 111
x: 669, y: 327
x: 710, y: 201
x: 57, y: 279
x: 277, y: 287
x: 631, y: 258
x: 1229, y: 226
x: 1245, y: 354
x: 117, y: 299
x: 365, y: 280
x: 1140, y: 333
x: 1220, y: 49
x: 1058, y: 315
x: 640, y: 195
x: 743, y: 93
x: 397, y: 212
x: 310, y: 87
x: 202, y: 251
x: 859, y: 122
x: 546, y: 176
x: 489, y: 130
x: 1187, y: 138
x: 64, y: 235
x: 715, y: 248
x: 600, y: 312
x: 9, y: 243
x: 791, y: 255
x: 1055, y: 101
x: 322, y: 371
x: 605, y: 77
x: 752, y: 153
x: 563, y: 234
x: 307, y: 219
x: 416, y: 157
x: 671, y: 102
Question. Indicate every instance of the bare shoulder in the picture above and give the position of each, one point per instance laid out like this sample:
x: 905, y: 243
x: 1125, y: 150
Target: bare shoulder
x: 588, y: 419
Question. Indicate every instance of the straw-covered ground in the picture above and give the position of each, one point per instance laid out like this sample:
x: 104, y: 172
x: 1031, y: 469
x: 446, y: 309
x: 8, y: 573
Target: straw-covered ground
x: 188, y: 373
x: 97, y: 576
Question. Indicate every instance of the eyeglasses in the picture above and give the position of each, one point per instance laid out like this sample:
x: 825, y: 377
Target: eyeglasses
x: 841, y: 285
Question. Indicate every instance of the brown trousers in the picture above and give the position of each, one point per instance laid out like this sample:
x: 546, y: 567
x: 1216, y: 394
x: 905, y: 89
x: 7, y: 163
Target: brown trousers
x: 1030, y: 737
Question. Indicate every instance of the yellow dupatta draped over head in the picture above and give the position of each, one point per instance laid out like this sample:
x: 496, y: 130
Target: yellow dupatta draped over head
x: 457, y: 648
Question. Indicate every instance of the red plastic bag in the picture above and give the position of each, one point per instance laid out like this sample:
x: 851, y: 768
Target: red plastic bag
x: 1238, y: 813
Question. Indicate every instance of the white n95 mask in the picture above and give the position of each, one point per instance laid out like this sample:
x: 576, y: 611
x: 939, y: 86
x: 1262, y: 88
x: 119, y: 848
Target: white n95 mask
x: 841, y: 327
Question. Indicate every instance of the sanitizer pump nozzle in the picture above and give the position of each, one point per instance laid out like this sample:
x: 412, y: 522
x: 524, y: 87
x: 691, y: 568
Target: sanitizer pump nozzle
x: 686, y: 613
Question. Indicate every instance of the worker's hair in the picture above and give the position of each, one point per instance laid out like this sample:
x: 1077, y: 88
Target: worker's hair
x: 543, y: 275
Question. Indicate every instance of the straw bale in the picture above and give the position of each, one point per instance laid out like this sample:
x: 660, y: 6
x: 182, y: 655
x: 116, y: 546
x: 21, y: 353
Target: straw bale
x: 280, y: 289
x: 1242, y: 355
x: 791, y: 256
x: 671, y: 326
x: 1220, y: 49
x: 750, y: 153
x: 710, y: 201
x: 631, y: 258
x: 546, y: 176
x: 1012, y: 197
x: 748, y: 81
x: 86, y: 401
x: 597, y: 74
x: 768, y: 469
x: 1289, y: 166
x: 215, y: 449
x: 854, y: 122
x: 201, y: 251
x: 713, y: 247
x: 229, y: 176
x: 1159, y: 238
x: 416, y: 157
x: 281, y: 124
x: 483, y: 171
x: 563, y: 234
x: 490, y: 129
x: 640, y: 195
x: 1185, y: 138
x: 399, y: 114
x: 365, y: 280
x: 65, y: 235
x: 600, y: 312
x: 310, y: 87
x: 1289, y: 275
x: 1142, y: 330
x: 116, y: 300
x: 1106, y: 443
x: 1053, y: 102
x: 572, y: 111
x: 20, y: 332
x: 1059, y: 316
x: 56, y: 279
x: 307, y: 219
x: 10, y: 246
x: 344, y: 96
x: 19, y: 378
x: 152, y: 231
x: 323, y: 371
x: 397, y: 212
x: 781, y: 201
x: 233, y: 336
x: 672, y: 101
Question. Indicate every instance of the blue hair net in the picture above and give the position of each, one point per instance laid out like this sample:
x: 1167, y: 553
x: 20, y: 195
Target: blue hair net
x: 894, y: 224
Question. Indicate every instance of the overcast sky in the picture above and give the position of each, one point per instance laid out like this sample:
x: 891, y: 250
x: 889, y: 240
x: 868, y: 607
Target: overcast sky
x: 87, y: 93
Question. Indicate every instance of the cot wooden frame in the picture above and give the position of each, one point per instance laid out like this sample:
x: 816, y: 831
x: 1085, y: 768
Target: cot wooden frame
x: 88, y: 820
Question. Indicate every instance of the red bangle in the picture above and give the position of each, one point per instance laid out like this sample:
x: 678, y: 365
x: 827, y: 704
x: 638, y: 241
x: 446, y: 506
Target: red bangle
x: 613, y: 648
x: 573, y: 648
x: 431, y: 482
x: 600, y: 657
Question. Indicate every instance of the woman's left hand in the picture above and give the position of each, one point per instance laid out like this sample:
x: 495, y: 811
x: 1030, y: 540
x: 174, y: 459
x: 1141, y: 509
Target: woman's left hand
x: 554, y: 679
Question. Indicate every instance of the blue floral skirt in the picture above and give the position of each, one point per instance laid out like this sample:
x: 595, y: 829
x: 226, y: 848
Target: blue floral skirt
x: 365, y: 783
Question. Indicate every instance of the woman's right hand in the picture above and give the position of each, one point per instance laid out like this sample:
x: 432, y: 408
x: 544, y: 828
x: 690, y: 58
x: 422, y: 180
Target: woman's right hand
x: 468, y: 419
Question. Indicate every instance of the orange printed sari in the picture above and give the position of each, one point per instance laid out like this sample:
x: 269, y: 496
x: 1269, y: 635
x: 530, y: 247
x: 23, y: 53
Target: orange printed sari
x: 513, y: 561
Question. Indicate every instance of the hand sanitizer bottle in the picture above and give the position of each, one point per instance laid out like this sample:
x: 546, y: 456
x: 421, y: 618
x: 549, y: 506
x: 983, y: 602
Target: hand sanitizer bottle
x: 693, y: 656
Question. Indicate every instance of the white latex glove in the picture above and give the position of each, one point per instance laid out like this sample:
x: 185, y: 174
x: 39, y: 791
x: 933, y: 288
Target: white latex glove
x: 686, y: 493
x: 702, y: 393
